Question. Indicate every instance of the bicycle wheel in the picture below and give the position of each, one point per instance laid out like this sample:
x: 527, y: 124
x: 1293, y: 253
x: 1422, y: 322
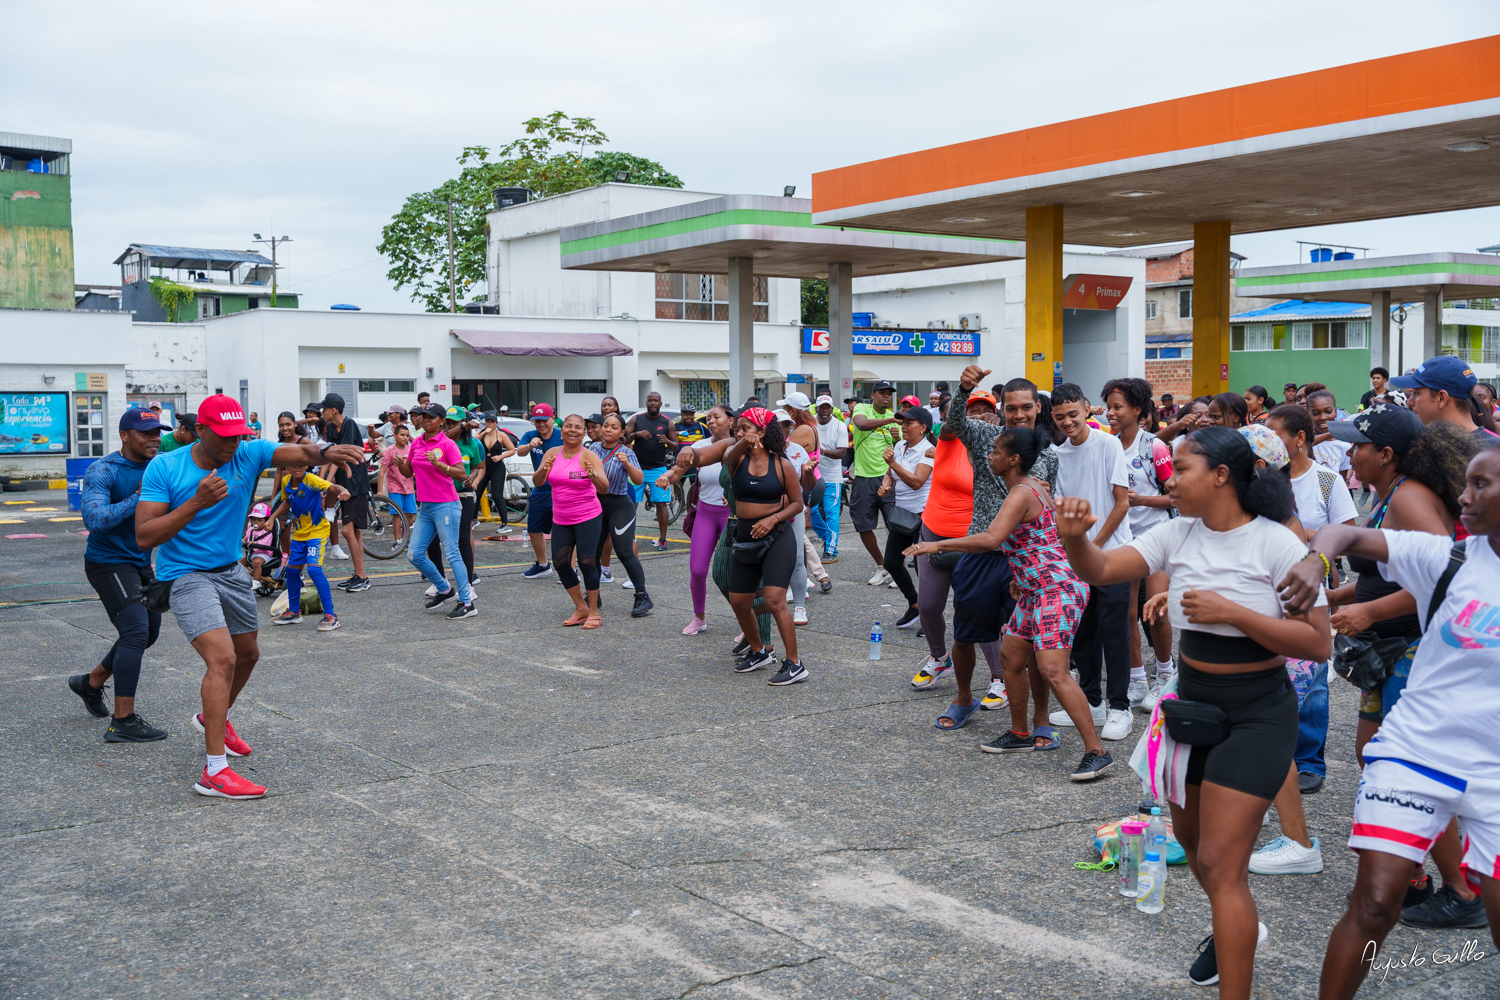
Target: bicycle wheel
x: 386, y: 536
x: 677, y: 504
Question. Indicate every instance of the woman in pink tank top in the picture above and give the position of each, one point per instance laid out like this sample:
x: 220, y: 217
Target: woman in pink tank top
x: 576, y: 476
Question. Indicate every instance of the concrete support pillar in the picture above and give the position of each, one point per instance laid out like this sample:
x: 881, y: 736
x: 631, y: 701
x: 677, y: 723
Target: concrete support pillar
x: 741, y: 329
x: 840, y: 332
x: 1432, y: 323
x: 1211, y: 293
x: 1380, y: 333
x: 1044, y: 295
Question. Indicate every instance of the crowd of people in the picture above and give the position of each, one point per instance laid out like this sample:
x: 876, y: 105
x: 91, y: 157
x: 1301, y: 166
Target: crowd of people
x: 1057, y: 522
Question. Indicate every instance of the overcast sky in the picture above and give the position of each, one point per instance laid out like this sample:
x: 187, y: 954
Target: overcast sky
x: 198, y: 125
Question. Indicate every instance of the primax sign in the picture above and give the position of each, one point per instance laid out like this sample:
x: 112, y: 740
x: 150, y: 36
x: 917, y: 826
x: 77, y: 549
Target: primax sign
x: 964, y: 343
x: 1094, y: 291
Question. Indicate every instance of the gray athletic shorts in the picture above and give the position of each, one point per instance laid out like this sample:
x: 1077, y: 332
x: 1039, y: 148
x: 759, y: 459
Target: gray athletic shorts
x: 204, y: 600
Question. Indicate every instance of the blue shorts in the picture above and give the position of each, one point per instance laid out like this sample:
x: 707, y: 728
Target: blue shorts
x: 658, y: 494
x: 539, y: 513
x: 406, y: 503
x: 308, y: 553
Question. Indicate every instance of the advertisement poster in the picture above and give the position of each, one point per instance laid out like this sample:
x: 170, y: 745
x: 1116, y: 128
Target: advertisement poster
x: 33, y: 423
x: 908, y: 342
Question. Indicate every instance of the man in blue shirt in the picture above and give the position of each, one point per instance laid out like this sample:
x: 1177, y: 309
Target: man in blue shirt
x: 192, y: 509
x: 118, y: 569
x: 539, y: 501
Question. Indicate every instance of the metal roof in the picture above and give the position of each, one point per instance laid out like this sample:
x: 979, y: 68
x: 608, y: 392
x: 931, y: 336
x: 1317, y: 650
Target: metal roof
x: 208, y: 260
x: 1298, y: 309
x: 1408, y: 277
x: 35, y: 143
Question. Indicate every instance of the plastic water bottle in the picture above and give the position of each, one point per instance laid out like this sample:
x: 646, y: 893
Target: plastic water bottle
x: 1132, y: 853
x: 1156, y: 832
x: 875, y: 637
x: 1151, y: 892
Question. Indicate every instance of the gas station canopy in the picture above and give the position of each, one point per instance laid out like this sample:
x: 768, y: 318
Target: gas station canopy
x: 1407, y: 279
x: 777, y: 233
x: 1404, y: 135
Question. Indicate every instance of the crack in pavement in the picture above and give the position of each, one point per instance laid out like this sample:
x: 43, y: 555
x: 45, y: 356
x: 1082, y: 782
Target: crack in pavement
x: 747, y: 975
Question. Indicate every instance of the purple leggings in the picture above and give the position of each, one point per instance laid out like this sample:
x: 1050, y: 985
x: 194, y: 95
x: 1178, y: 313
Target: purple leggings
x: 708, y: 525
x: 933, y: 585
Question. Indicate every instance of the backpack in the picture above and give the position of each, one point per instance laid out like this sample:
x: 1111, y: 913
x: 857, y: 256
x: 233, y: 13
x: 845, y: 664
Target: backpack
x: 1145, y: 446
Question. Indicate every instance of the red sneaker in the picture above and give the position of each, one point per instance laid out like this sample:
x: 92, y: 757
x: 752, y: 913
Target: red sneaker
x: 233, y: 745
x: 228, y: 785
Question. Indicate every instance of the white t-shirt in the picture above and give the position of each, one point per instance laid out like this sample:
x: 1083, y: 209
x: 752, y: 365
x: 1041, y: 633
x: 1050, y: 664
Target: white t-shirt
x: 1245, y: 565
x: 1143, y: 481
x: 910, y: 459
x: 834, y: 434
x: 797, y: 455
x: 1312, y: 509
x: 937, y: 414
x: 709, y: 490
x: 1447, y: 715
x: 1092, y: 470
x: 1332, y: 455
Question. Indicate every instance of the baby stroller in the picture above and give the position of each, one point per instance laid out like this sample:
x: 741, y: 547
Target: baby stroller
x: 264, y: 544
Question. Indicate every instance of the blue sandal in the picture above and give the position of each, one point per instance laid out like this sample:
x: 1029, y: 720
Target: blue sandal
x: 1048, y: 733
x: 959, y: 715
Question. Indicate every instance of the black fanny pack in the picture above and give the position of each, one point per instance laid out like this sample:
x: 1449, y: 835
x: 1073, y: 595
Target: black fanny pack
x: 155, y: 594
x: 1366, y: 660
x: 1203, y: 724
x: 753, y: 552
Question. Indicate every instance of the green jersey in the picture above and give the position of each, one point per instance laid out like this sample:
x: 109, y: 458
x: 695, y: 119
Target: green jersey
x: 870, y: 446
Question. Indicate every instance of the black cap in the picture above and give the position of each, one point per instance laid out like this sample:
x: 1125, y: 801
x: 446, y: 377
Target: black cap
x: 918, y: 413
x: 434, y: 410
x: 188, y: 419
x: 1384, y: 425
x: 881, y: 386
x: 333, y: 400
x: 594, y: 418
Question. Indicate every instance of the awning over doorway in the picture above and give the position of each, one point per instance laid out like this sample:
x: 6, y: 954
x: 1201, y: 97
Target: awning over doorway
x: 764, y: 374
x: 543, y: 345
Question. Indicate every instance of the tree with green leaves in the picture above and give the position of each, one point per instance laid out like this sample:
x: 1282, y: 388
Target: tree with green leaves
x: 548, y: 160
x: 815, y: 301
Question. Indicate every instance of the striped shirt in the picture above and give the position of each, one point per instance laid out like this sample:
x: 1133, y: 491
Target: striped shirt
x: 615, y: 461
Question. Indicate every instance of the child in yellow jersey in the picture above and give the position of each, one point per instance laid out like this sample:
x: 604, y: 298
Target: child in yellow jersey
x: 303, y: 497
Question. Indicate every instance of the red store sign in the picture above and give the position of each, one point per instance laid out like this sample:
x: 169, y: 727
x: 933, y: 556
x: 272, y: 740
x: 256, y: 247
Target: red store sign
x: 1094, y: 291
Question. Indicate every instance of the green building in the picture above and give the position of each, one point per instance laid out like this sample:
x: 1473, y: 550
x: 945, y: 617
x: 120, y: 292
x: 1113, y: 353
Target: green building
x: 36, y: 222
x: 1301, y: 342
x: 165, y: 284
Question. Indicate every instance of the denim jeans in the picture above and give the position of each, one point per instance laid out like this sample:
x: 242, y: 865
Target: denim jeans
x: 443, y: 520
x: 1311, y: 683
x: 825, y: 515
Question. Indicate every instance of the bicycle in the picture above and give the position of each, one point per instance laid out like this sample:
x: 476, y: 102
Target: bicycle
x: 388, y: 531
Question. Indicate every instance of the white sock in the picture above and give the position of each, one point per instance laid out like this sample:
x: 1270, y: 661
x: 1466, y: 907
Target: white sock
x: 1137, y: 673
x: 1165, y: 668
x: 217, y: 764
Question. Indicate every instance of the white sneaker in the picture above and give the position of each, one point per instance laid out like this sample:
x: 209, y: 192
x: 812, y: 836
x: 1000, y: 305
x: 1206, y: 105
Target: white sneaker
x: 431, y: 591
x: 892, y: 585
x: 1117, y: 724
x: 931, y: 671
x: 473, y: 581
x: 881, y: 576
x: 1284, y: 856
x: 337, y: 552
x: 1153, y: 693
x: 607, y: 575
x: 628, y: 585
x: 995, y: 698
x: 1060, y: 718
x: 799, y: 615
x: 1138, y: 691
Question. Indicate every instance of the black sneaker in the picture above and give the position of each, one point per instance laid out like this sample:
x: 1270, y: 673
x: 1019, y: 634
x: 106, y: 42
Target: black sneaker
x: 755, y: 661
x: 1205, y: 970
x: 1010, y: 742
x: 93, y: 698
x: 642, y: 607
x: 1309, y: 783
x: 790, y: 673
x: 1418, y: 891
x: 1446, y: 909
x: 1094, y: 763
x: 740, y: 648
x: 346, y: 584
x: 908, y: 619
x: 437, y: 599
x: 132, y: 729
x: 357, y: 584
x: 461, y: 611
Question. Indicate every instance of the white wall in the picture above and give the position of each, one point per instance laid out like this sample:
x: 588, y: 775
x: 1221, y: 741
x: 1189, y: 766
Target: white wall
x: 169, y: 358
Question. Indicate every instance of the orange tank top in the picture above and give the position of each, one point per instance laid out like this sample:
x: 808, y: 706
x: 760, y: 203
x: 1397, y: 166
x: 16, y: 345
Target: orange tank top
x: 950, y: 502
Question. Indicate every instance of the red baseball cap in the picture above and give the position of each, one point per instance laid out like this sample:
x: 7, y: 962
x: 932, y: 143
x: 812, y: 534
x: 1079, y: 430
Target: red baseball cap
x: 541, y: 411
x: 223, y: 416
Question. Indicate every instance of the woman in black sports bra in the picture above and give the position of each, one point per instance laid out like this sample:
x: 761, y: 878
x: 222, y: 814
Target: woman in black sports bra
x: 497, y: 444
x: 767, y: 495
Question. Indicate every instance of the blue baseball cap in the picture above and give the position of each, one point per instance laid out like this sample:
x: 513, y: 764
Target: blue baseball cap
x: 1444, y: 373
x: 137, y: 419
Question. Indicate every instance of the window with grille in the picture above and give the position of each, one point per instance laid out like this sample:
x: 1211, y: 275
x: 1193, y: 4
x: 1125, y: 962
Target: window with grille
x: 703, y: 393
x: 1252, y: 337
x: 586, y: 385
x: 705, y: 296
x: 1150, y: 308
x: 387, y: 385
x: 1332, y: 335
x: 1185, y: 303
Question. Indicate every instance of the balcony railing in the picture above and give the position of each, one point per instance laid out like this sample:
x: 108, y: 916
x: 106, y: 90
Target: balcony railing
x: 1487, y: 355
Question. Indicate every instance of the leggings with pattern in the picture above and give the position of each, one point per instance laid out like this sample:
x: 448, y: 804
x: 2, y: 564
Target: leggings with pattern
x: 933, y: 585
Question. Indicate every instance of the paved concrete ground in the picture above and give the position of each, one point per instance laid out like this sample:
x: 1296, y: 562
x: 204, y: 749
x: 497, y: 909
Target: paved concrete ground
x: 503, y: 808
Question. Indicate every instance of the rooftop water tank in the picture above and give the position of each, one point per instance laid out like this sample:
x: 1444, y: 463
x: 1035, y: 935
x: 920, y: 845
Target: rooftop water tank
x: 345, y: 307
x: 506, y: 197
x: 1344, y: 255
x: 1321, y: 255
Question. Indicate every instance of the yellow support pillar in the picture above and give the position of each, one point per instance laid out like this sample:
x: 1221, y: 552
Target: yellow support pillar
x: 1210, y: 308
x: 1044, y: 294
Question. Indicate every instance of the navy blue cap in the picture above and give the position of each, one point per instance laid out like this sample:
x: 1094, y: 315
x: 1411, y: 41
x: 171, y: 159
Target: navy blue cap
x: 137, y: 419
x: 1385, y: 425
x: 1444, y: 373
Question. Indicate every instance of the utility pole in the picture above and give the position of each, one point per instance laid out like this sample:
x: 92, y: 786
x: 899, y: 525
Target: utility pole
x: 452, y: 266
x: 273, y: 241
